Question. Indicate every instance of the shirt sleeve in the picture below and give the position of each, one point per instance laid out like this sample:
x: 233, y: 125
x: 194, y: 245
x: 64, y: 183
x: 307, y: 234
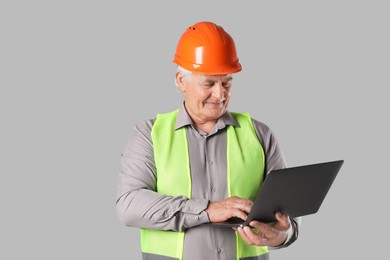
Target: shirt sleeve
x: 138, y: 204
x: 275, y: 160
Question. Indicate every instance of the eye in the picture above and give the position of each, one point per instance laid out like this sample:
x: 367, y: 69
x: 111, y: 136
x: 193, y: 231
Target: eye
x: 227, y: 84
x: 208, y: 84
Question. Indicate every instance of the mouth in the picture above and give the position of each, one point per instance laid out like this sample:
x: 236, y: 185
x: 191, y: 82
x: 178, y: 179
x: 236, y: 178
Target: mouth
x: 215, y: 104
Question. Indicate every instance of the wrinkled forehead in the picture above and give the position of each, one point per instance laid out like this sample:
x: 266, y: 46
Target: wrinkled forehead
x: 206, y: 77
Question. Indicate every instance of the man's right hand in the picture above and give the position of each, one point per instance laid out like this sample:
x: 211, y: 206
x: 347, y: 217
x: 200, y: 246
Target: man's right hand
x: 231, y: 207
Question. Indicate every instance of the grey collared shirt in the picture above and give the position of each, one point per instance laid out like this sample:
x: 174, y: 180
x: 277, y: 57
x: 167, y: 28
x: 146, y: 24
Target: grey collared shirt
x: 138, y: 204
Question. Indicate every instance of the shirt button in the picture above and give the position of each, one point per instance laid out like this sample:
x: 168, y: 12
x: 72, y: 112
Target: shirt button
x: 213, y: 189
x: 211, y: 162
x: 219, y: 251
x: 196, y: 217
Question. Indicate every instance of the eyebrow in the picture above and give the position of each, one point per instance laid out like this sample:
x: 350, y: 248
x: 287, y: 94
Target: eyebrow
x: 227, y: 79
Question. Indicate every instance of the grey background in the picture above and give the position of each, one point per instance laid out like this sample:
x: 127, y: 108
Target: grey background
x: 76, y: 76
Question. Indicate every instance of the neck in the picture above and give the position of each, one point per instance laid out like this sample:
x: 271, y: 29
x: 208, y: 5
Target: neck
x: 202, y: 124
x: 206, y: 127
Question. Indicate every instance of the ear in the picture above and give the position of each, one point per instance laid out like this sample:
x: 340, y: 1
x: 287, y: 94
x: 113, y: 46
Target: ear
x: 180, y: 81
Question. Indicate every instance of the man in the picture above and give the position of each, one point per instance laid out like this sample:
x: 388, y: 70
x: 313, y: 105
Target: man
x: 201, y: 164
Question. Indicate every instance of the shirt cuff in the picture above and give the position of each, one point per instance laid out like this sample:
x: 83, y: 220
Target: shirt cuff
x: 194, y: 213
x: 195, y: 206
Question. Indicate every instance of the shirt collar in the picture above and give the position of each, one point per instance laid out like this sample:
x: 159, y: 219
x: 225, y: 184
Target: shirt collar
x: 184, y: 119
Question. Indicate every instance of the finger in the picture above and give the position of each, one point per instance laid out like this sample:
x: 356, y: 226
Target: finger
x: 244, y: 205
x: 240, y: 214
x: 244, y: 236
x: 259, y: 225
x: 283, y: 220
x: 269, y: 231
x: 241, y: 204
x: 259, y: 239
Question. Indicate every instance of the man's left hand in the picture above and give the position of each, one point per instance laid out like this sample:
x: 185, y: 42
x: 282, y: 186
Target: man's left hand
x: 266, y: 234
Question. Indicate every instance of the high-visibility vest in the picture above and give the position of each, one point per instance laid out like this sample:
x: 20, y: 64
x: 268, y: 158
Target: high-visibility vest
x: 245, y: 174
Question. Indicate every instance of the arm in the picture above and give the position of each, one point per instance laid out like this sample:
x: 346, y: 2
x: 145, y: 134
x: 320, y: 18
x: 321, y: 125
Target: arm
x: 275, y: 160
x: 138, y: 204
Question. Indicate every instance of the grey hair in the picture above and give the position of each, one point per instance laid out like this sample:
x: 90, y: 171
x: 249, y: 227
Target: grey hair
x: 185, y: 73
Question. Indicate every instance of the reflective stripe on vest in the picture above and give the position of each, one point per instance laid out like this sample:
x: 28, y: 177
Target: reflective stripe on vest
x: 245, y: 169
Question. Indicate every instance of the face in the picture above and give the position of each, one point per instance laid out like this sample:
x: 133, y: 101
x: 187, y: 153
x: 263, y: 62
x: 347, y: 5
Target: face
x: 206, y: 97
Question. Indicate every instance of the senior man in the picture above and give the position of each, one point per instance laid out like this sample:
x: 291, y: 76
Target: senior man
x: 201, y: 164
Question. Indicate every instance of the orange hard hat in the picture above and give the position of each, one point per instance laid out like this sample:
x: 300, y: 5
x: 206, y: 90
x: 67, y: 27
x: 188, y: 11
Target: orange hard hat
x: 206, y: 48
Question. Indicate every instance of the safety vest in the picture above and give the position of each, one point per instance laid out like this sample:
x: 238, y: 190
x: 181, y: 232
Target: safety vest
x: 245, y: 174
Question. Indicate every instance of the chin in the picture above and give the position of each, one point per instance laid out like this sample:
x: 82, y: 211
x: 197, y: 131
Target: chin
x: 216, y: 114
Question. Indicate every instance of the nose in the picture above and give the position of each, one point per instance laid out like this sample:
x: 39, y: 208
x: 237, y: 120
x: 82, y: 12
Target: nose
x: 218, y: 91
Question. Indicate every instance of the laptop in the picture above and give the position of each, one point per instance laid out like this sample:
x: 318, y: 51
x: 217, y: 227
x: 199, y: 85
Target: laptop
x: 295, y: 191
